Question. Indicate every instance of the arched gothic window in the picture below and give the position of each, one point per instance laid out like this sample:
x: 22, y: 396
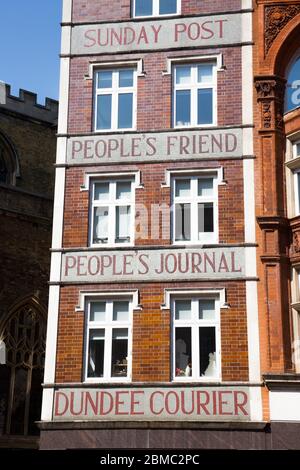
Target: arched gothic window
x: 22, y: 374
x: 3, y: 168
x: 9, y: 163
x: 292, y: 100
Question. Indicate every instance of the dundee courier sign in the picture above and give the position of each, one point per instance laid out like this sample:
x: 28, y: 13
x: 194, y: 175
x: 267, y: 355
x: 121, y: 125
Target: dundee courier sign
x: 107, y: 38
x: 152, y: 404
x: 131, y: 147
x: 153, y: 265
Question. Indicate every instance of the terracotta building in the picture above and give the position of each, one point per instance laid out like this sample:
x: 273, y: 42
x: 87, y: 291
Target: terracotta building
x: 277, y: 127
x: 27, y: 155
x: 157, y: 329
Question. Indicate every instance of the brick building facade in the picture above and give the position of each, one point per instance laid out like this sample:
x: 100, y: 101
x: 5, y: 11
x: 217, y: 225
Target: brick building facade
x: 27, y: 155
x: 154, y: 332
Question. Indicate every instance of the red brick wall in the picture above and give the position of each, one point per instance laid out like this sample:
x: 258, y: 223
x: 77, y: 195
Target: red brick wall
x: 87, y: 11
x: 231, y: 202
x: 152, y: 333
x: 152, y: 325
x: 155, y: 90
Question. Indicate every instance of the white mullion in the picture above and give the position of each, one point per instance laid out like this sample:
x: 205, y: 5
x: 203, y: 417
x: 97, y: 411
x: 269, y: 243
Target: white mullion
x: 87, y: 346
x: 195, y: 341
x: 194, y: 95
x: 218, y: 336
x: 194, y: 210
x: 108, y: 340
x: 296, y: 192
x: 216, y: 209
x: 132, y: 212
x: 155, y: 7
x: 112, y: 213
x: 115, y: 96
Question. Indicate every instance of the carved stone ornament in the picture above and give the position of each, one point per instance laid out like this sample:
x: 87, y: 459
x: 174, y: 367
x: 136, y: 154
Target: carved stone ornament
x: 265, y: 88
x: 270, y: 95
x: 276, y: 18
x: 296, y: 242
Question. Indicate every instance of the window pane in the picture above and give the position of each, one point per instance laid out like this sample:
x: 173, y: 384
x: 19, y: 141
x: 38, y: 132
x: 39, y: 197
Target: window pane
x: 207, y: 348
x: 205, y: 218
x: 123, y: 189
x: 125, y: 78
x: 205, y: 73
x: 101, y: 191
x: 183, y: 75
x: 182, y: 188
x: 183, y: 310
x: 103, y: 111
x: 206, y: 187
x: 143, y: 7
x: 119, y: 353
x: 167, y: 6
x: 123, y: 224
x: 292, y: 88
x: 96, y: 353
x: 183, y: 352
x: 104, y: 79
x: 182, y: 222
x: 205, y: 106
x: 121, y: 311
x: 207, y: 309
x: 183, y: 107
x: 298, y: 150
x: 100, y: 225
x: 98, y: 311
x: 125, y: 111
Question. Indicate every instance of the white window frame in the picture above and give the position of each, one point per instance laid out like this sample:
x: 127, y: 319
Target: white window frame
x: 156, y: 10
x: 195, y: 325
x: 296, y: 191
x: 111, y: 203
x: 194, y: 200
x: 194, y: 86
x: 114, y: 91
x: 295, y: 294
x: 108, y: 326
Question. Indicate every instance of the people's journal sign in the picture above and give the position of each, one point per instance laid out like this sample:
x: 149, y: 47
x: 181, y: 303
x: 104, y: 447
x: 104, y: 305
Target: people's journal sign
x: 107, y: 38
x: 152, y: 404
x: 154, y: 265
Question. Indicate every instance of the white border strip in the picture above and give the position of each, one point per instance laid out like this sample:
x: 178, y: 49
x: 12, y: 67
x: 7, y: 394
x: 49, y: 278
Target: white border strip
x: 54, y: 291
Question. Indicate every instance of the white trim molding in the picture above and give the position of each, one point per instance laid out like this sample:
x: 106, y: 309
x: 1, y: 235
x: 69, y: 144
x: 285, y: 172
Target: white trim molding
x: 133, y: 174
x: 137, y: 63
x: 186, y: 59
x: 193, y: 172
x: 67, y: 11
x: 87, y: 295
x: 168, y: 293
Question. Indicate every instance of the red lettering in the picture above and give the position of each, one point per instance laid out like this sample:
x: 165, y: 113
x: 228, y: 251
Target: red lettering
x: 224, y: 402
x: 201, y: 405
x: 90, y: 36
x: 240, y: 405
x: 80, y: 265
x: 152, y: 397
x: 102, y: 410
x: 207, y: 30
x: 143, y: 260
x: 76, y: 147
x: 134, y: 402
x: 179, y: 29
x: 119, y: 403
x: 70, y: 264
x: 58, y: 397
x: 168, y: 402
